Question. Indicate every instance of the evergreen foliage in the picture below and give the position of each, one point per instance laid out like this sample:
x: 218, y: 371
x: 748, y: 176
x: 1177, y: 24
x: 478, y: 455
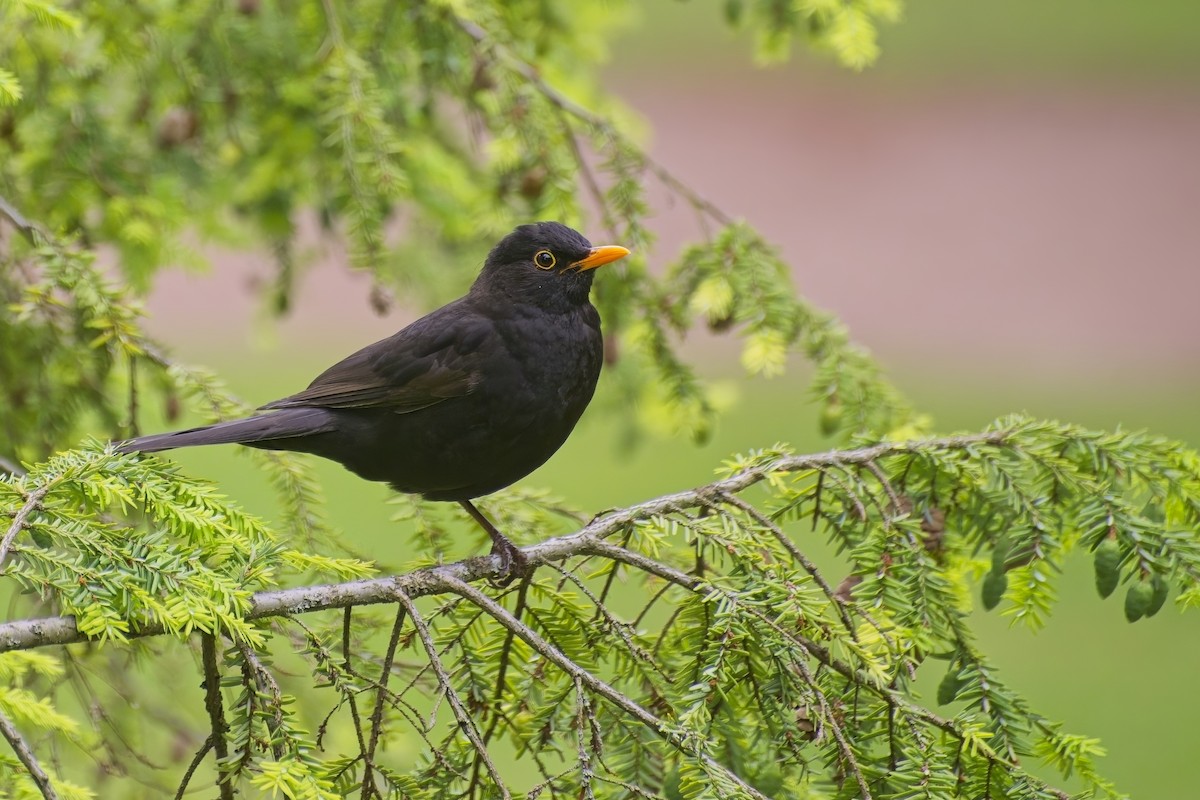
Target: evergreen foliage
x: 732, y: 667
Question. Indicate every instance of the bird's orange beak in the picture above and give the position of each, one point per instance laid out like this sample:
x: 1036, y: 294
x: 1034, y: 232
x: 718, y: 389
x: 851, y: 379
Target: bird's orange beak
x: 600, y: 255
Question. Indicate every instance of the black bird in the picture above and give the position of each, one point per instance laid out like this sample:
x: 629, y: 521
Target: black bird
x: 466, y: 400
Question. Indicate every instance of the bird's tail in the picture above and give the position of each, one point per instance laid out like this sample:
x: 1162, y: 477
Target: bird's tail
x: 257, y: 431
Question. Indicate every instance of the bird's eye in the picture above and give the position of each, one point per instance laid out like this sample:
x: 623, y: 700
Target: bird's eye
x: 544, y: 259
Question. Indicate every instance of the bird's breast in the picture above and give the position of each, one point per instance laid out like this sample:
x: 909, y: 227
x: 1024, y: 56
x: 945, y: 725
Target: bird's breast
x: 556, y: 357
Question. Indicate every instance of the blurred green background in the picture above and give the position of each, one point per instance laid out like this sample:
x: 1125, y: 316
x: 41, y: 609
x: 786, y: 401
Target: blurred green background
x: 1003, y: 210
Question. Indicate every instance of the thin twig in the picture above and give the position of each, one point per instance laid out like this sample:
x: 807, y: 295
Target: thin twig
x: 81, y: 684
x: 26, y: 756
x: 881, y: 476
x: 585, y: 170
x: 32, y: 501
x: 191, y: 770
x: 621, y: 629
x: 266, y: 683
x: 424, y: 670
x: 506, y: 652
x: 501, y: 676
x: 407, y: 710
x: 602, y: 125
x: 835, y: 599
x: 349, y: 667
x: 368, y: 783
x: 583, y: 712
x: 465, y: 723
x: 612, y: 574
x: 839, y: 734
x: 637, y: 621
x: 134, y: 428
x: 216, y: 714
x: 18, y: 220
x: 850, y: 491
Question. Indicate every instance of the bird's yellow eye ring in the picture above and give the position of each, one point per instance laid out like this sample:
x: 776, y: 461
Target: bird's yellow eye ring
x: 544, y: 259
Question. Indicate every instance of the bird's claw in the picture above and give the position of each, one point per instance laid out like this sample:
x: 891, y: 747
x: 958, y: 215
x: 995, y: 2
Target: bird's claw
x: 513, y: 563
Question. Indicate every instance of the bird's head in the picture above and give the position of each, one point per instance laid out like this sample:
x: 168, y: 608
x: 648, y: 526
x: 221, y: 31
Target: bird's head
x: 544, y: 264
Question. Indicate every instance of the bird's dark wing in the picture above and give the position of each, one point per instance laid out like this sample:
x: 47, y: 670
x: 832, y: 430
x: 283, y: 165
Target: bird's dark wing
x: 434, y: 359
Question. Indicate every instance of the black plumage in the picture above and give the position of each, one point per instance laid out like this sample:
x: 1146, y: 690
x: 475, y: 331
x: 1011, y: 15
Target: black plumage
x: 466, y: 400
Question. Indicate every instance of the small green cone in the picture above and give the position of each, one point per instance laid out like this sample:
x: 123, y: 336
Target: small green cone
x: 1161, y: 589
x: 1108, y: 567
x: 1137, y: 600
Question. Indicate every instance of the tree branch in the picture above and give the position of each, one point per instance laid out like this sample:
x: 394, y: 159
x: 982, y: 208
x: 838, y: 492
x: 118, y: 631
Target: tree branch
x: 817, y: 651
x: 588, y: 540
x: 26, y: 756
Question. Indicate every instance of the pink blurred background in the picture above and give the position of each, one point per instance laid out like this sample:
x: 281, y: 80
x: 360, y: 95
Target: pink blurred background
x: 985, y: 214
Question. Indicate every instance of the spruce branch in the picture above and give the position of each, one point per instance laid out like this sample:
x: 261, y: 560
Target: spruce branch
x: 823, y: 656
x: 348, y: 665
x: 797, y: 554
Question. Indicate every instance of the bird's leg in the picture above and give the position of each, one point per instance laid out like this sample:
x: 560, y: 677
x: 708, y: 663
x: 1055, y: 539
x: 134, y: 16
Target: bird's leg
x: 512, y: 560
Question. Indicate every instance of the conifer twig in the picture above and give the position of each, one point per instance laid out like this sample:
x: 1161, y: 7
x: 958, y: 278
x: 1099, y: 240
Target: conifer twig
x: 348, y: 665
x: 192, y: 767
x: 465, y: 723
x: 368, y: 784
x: 27, y: 758
x: 216, y: 716
x: 266, y: 683
x: 32, y: 501
x: 18, y: 220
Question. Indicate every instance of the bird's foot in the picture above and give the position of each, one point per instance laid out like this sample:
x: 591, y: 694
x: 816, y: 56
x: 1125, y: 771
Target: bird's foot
x: 513, y: 563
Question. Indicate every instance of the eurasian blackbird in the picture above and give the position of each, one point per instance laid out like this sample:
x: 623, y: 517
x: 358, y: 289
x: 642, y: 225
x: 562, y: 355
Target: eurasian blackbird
x: 462, y: 402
